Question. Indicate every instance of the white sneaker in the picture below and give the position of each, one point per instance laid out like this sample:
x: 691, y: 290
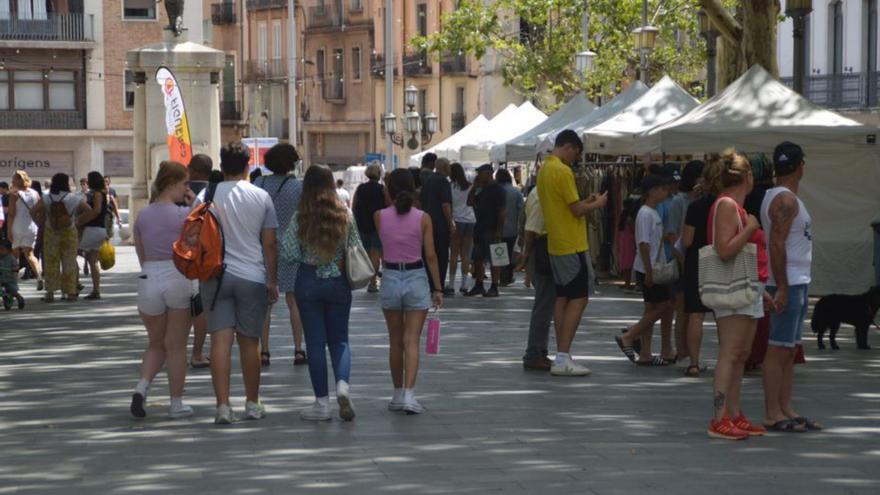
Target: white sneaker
x: 568, y: 368
x: 412, y: 406
x: 254, y: 410
x: 317, y: 412
x: 396, y: 404
x: 180, y: 411
x: 225, y: 415
x: 346, y: 410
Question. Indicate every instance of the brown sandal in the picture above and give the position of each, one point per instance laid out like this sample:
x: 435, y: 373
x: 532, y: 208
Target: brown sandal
x: 692, y: 371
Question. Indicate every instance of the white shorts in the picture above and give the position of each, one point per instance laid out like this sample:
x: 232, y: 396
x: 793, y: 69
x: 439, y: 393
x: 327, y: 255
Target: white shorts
x: 161, y: 287
x: 755, y: 311
x: 92, y: 238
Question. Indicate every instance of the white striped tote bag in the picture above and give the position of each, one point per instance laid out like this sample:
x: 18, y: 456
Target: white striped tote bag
x: 731, y: 284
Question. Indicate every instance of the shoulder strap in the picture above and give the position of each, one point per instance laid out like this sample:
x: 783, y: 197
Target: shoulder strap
x: 278, y: 191
x: 209, y: 194
x: 715, y: 217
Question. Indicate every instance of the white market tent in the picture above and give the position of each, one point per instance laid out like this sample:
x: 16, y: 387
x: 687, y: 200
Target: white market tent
x: 522, y: 147
x: 665, y: 101
x: 840, y: 188
x: 504, y: 126
x: 599, y: 115
x: 449, y: 147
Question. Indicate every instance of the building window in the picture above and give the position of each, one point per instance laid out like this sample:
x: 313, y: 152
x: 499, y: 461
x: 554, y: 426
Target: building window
x: 139, y: 10
x: 459, y: 100
x: 262, y: 41
x: 871, y: 36
x: 28, y: 90
x: 277, y: 39
x: 25, y: 9
x: 128, y: 103
x: 356, y: 63
x: 337, y: 78
x: 4, y: 90
x: 837, y: 37
x: 422, y: 18
x: 229, y: 79
x: 320, y: 68
x: 62, y: 90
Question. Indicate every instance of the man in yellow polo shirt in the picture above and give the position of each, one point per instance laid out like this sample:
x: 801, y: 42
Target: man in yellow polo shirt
x: 565, y: 220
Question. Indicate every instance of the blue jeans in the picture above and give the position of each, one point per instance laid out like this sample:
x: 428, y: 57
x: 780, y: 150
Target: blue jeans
x: 786, y: 329
x: 324, y: 306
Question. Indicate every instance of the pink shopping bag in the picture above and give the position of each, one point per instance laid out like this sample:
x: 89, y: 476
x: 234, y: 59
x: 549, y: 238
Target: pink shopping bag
x: 432, y: 342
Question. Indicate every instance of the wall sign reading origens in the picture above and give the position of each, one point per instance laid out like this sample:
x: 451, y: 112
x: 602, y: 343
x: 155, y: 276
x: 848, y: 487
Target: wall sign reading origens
x: 36, y: 163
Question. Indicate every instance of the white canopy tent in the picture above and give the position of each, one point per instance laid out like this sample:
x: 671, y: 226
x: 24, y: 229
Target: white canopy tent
x: 448, y: 148
x: 840, y: 188
x: 504, y: 126
x: 599, y: 115
x: 522, y: 147
x: 664, y: 102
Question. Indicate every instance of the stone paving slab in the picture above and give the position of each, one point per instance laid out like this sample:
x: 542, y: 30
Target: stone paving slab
x: 66, y: 374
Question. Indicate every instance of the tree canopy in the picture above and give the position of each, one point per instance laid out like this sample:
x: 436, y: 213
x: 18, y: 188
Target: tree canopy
x: 537, y: 41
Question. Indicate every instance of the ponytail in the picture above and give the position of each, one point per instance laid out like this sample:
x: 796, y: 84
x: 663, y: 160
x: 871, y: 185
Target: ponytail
x: 403, y: 202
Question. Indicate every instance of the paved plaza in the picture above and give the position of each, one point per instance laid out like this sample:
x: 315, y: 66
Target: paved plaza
x: 66, y: 375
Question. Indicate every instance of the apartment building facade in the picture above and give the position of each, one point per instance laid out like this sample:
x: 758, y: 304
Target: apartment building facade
x: 224, y: 29
x: 841, y: 57
x: 66, y: 97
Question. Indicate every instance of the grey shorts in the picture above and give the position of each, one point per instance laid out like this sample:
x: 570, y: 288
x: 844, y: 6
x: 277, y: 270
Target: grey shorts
x: 241, y: 305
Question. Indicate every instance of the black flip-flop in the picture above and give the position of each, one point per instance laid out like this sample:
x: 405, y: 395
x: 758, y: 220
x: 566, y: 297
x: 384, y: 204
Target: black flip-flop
x: 637, y: 344
x: 808, y: 423
x: 204, y: 364
x: 627, y: 350
x: 656, y: 361
x: 786, y: 426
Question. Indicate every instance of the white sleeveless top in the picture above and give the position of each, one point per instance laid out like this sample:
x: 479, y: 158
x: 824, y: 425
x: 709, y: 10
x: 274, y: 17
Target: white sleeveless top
x: 798, y: 245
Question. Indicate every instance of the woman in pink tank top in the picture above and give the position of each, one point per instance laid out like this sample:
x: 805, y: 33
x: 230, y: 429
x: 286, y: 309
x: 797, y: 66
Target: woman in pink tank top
x: 405, y: 294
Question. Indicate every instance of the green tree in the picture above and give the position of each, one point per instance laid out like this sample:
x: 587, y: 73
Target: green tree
x: 538, y: 61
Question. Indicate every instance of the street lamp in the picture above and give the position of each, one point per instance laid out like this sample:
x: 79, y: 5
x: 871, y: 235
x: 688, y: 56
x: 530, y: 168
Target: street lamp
x: 412, y: 122
x: 645, y: 40
x: 798, y: 10
x: 585, y: 60
x: 708, y: 31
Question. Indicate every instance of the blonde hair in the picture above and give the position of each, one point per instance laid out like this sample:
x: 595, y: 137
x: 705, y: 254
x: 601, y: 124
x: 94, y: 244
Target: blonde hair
x: 725, y: 170
x: 170, y: 173
x: 374, y: 171
x: 23, y: 177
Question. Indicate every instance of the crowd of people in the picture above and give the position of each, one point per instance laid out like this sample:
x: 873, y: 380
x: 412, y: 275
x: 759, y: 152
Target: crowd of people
x: 423, y: 229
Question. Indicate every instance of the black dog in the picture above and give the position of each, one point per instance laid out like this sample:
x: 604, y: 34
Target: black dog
x: 835, y: 309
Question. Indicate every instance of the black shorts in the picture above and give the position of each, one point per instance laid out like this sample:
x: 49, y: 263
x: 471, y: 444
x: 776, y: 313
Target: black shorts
x: 656, y: 294
x: 692, y: 301
x: 579, y: 287
x: 481, y: 250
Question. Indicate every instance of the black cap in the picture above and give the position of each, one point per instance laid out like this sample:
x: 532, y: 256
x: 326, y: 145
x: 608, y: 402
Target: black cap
x: 690, y: 174
x: 787, y: 157
x: 651, y: 181
x: 487, y: 167
x: 669, y: 172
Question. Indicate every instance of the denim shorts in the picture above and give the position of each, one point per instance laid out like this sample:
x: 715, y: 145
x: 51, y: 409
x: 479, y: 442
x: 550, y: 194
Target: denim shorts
x: 405, y: 290
x: 464, y: 228
x: 755, y: 311
x: 786, y: 328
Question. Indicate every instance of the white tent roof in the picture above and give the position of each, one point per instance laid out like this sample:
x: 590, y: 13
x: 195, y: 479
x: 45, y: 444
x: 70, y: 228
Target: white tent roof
x: 601, y: 114
x: 504, y: 126
x: 842, y: 174
x: 522, y: 147
x: 664, y: 102
x: 448, y: 148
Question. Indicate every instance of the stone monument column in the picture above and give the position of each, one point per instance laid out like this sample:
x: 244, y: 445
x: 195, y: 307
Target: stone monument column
x: 197, y: 69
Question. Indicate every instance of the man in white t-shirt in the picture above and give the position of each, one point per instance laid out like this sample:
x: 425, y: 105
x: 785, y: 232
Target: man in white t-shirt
x: 237, y: 301
x: 657, y: 297
x: 343, y: 194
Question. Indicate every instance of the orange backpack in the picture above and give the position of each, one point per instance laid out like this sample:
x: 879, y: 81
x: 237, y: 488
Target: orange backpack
x: 198, y: 253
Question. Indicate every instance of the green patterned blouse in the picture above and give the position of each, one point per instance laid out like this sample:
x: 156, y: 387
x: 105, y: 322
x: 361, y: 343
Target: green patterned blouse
x: 293, y: 252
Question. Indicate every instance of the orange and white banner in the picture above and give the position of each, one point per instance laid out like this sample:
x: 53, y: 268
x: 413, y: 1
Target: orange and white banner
x: 179, y: 140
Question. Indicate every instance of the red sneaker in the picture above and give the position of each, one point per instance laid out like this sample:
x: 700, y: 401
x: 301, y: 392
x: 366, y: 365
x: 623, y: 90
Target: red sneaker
x: 745, y: 425
x: 726, y: 430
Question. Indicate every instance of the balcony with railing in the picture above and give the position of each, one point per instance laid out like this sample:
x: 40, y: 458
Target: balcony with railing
x: 324, y: 15
x: 265, y: 70
x: 851, y: 90
x: 41, y: 119
x: 223, y: 13
x: 56, y: 27
x: 458, y: 121
x: 453, y: 64
x: 416, y: 64
x: 230, y: 111
x: 266, y: 4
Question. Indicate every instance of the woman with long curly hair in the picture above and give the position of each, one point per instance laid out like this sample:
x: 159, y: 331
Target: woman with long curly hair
x: 316, y: 241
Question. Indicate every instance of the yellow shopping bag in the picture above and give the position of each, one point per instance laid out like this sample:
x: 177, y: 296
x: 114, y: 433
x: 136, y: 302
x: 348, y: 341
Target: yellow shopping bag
x: 107, y: 255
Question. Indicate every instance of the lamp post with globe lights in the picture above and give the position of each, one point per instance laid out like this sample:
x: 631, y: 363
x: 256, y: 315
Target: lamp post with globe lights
x: 412, y: 122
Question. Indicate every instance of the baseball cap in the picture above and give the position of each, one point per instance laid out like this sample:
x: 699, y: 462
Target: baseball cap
x: 487, y: 167
x: 690, y: 174
x: 787, y: 157
x: 651, y: 181
x: 670, y: 173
